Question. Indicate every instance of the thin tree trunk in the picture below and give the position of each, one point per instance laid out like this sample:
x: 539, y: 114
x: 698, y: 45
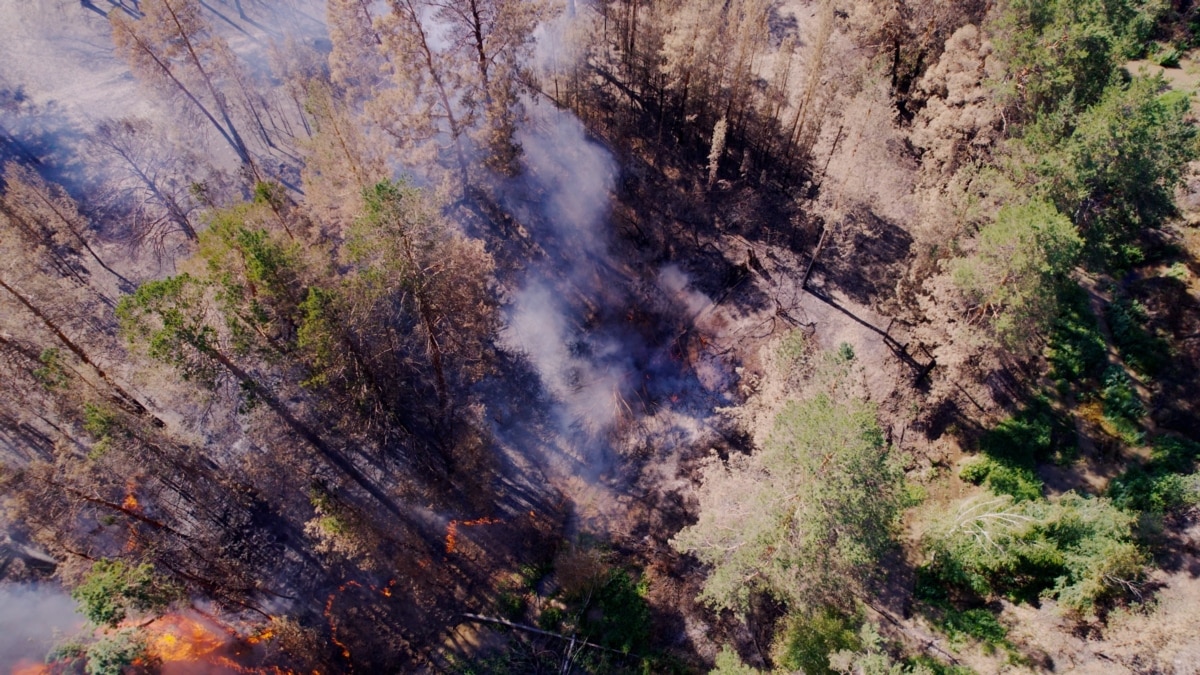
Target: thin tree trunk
x: 302, y: 430
x: 158, y: 525
x: 235, y: 137
x: 43, y: 237
x: 477, y: 31
x: 75, y: 349
x: 82, y: 242
x: 166, y: 70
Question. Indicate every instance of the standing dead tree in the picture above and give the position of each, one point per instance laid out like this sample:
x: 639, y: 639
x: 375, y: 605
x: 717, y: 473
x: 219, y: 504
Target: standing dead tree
x: 148, y: 181
x: 173, y: 47
x: 47, y: 216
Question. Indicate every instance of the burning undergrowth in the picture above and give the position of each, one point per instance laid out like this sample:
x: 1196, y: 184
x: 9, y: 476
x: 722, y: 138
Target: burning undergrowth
x: 624, y: 367
x: 186, y: 642
x: 613, y: 362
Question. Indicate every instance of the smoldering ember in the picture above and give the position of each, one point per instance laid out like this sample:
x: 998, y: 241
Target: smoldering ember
x: 599, y: 336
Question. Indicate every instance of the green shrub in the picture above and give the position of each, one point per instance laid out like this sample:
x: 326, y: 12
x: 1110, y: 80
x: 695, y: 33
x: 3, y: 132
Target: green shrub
x: 51, y: 374
x: 1078, y: 550
x: 511, y: 606
x: 809, y: 638
x: 111, y: 588
x: 1153, y: 492
x: 115, y: 652
x: 980, y: 624
x: 1013, y: 448
x: 1144, y: 352
x: 1162, y: 485
x: 845, y: 352
x: 1120, y: 167
x: 1169, y: 58
x: 69, y: 650
x: 1035, y: 434
x: 1077, y: 350
x: 550, y: 619
x: 729, y: 663
x: 1122, y: 407
x: 618, y: 616
x: 1005, y: 478
x: 793, y: 349
x: 1020, y: 482
x: 976, y: 623
x: 1020, y: 259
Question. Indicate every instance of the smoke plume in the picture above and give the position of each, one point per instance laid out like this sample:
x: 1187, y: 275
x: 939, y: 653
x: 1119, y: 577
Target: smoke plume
x: 33, y: 617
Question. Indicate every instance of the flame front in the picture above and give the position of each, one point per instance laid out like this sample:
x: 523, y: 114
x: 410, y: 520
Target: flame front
x: 179, y: 638
x: 452, y: 530
x: 26, y: 667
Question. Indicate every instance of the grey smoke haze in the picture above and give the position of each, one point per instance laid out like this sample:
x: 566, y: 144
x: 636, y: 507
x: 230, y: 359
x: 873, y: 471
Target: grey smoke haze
x: 59, y: 71
x: 61, y: 75
x: 588, y: 375
x: 575, y: 174
x: 33, y: 617
x: 586, y: 369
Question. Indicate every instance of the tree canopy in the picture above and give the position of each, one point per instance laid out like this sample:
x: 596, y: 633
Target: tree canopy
x: 814, y: 510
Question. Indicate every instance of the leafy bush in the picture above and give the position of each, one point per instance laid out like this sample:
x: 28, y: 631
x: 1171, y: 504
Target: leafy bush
x: 813, y: 511
x: 1169, y: 58
x: 1122, y: 407
x: 1012, y: 449
x: 68, y: 651
x: 729, y: 663
x: 1141, y: 349
x: 1019, y: 482
x: 618, y: 616
x: 1076, y: 549
x: 978, y: 623
x: 550, y: 619
x: 808, y: 639
x: 1162, y: 485
x: 51, y: 373
x: 1077, y: 349
x: 872, y: 657
x: 115, y: 652
x: 1020, y: 260
x: 511, y: 605
x: 1035, y: 434
x: 1120, y: 168
x: 111, y: 588
x: 793, y: 349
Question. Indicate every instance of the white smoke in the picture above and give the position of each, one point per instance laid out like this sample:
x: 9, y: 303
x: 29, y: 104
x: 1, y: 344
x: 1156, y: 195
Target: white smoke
x: 33, y: 618
x: 587, y: 372
x: 576, y: 175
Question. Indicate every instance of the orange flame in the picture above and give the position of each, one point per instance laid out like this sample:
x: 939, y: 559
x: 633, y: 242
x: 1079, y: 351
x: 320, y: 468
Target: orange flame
x: 27, y: 667
x: 130, y: 503
x: 333, y: 629
x: 452, y: 530
x: 180, y: 638
x: 386, y: 591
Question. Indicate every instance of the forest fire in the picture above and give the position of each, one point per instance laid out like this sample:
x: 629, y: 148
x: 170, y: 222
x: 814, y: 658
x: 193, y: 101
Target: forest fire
x: 261, y: 637
x: 30, y: 668
x: 385, y: 591
x: 179, y: 638
x: 452, y: 530
x: 333, y: 629
x: 309, y: 297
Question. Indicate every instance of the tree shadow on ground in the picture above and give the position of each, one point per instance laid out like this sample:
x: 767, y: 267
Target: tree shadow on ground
x: 864, y: 257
